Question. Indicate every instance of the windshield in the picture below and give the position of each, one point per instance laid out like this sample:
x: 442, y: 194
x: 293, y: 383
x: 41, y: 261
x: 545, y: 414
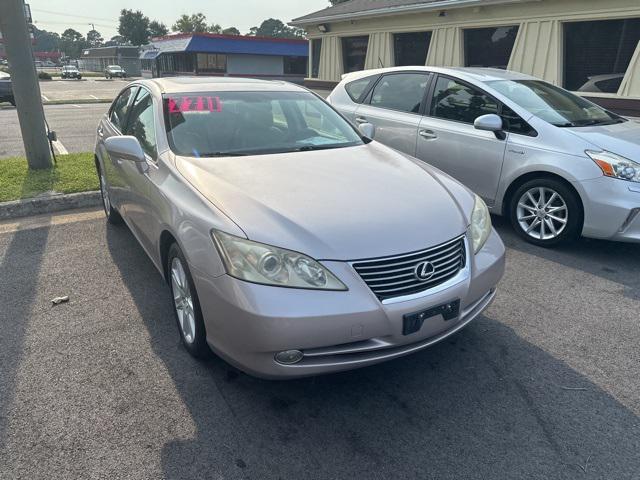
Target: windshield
x: 553, y: 104
x: 114, y: 67
x: 212, y: 124
x: 70, y: 69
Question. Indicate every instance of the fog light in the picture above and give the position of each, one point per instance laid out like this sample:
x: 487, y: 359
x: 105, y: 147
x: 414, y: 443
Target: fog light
x: 289, y: 357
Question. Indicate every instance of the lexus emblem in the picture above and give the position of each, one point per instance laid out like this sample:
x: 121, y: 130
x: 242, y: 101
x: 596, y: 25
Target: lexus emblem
x: 424, y: 271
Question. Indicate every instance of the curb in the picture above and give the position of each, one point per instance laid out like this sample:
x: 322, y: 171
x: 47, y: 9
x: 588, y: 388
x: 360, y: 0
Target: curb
x: 48, y: 204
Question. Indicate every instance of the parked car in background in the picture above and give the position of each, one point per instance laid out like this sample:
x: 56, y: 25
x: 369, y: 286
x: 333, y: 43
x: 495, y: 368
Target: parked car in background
x: 603, y: 83
x: 292, y: 243
x: 552, y: 162
x: 71, y: 71
x: 115, y: 71
x: 6, y: 90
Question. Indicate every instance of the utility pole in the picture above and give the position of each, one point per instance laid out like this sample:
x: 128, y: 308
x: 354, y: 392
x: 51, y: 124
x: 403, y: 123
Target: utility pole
x: 24, y: 80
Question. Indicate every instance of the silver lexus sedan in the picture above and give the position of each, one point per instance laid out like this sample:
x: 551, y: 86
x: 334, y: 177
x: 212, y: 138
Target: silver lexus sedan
x: 293, y: 244
x: 555, y: 164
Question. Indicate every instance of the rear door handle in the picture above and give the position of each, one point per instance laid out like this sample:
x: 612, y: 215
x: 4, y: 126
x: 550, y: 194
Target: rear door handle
x: 361, y: 120
x: 428, y: 134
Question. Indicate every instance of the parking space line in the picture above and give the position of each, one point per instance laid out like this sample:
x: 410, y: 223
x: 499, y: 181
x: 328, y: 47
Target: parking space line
x: 59, y: 148
x: 93, y: 96
x: 77, y: 106
x: 46, y: 99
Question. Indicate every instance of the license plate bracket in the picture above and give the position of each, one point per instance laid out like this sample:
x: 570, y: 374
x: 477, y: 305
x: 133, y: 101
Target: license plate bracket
x: 412, y: 322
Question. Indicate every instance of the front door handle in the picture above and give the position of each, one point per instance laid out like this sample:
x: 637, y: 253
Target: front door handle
x: 100, y: 131
x: 361, y: 120
x: 428, y: 134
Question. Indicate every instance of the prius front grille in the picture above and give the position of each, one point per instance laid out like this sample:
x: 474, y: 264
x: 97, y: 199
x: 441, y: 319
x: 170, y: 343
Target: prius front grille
x: 401, y: 275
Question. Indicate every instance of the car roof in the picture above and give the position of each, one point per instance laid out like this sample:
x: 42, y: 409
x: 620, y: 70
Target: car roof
x: 477, y: 74
x: 204, y: 84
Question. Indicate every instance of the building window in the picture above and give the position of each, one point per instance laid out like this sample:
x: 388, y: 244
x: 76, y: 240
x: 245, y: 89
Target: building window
x: 489, y: 47
x: 354, y: 53
x: 597, y: 54
x: 295, y: 65
x: 211, y: 63
x: 411, y: 48
x: 316, y: 51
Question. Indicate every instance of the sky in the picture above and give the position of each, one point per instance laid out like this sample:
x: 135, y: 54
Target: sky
x: 58, y: 15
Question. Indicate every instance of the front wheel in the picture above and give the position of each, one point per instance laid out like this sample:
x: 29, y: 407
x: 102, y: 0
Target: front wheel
x: 546, y: 212
x: 186, y: 305
x: 113, y: 216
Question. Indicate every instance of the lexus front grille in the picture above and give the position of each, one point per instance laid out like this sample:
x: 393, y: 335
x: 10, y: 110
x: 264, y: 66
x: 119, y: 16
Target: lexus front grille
x: 415, y: 272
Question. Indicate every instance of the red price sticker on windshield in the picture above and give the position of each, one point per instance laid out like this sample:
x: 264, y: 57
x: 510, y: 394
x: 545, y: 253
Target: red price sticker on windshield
x: 194, y: 104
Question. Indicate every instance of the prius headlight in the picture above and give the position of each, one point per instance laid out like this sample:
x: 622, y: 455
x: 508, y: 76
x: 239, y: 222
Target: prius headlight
x: 259, y: 263
x: 615, y: 166
x: 480, y: 227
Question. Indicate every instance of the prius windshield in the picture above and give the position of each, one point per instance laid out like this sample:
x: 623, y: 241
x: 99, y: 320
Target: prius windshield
x: 216, y: 124
x: 553, y: 104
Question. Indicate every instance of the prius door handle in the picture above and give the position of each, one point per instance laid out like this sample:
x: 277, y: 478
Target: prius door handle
x: 100, y: 131
x: 361, y: 120
x: 428, y: 134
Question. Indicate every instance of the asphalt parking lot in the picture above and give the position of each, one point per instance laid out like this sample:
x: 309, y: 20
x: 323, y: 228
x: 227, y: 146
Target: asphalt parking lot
x: 75, y: 125
x: 543, y: 386
x: 85, y: 89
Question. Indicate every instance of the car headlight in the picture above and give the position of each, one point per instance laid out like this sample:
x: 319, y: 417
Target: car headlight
x: 259, y: 263
x: 480, y: 227
x: 615, y: 166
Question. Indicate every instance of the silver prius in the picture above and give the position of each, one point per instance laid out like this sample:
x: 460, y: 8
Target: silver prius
x: 293, y: 244
x: 555, y: 164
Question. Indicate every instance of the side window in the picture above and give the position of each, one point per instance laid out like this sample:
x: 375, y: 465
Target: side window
x: 402, y: 91
x: 141, y: 122
x: 358, y: 88
x: 513, y: 123
x: 456, y: 101
x: 118, y: 115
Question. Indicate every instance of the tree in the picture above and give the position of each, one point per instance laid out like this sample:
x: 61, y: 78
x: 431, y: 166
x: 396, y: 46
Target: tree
x: 275, y: 28
x: 134, y: 27
x: 94, y: 39
x: 115, y: 41
x: 231, y: 31
x: 157, y: 29
x: 72, y: 43
x: 195, y: 23
x: 214, y: 28
x: 46, y: 41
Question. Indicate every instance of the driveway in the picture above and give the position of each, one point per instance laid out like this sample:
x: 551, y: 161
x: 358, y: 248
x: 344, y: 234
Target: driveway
x: 544, y: 386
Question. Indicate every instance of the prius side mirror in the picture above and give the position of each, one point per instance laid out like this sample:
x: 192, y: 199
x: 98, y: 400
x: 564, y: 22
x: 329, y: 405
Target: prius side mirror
x: 125, y: 147
x: 490, y: 123
x: 368, y: 130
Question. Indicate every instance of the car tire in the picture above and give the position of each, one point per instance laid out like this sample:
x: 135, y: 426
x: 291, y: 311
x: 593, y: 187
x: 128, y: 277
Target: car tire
x: 186, y: 305
x: 113, y: 216
x: 546, y: 212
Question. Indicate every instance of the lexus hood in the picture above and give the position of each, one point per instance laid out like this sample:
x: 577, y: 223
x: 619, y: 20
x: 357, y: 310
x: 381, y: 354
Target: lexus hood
x: 339, y: 204
x: 621, y: 138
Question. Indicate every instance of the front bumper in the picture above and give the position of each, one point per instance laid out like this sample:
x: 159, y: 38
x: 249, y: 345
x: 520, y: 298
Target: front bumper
x: 247, y: 324
x: 611, y: 209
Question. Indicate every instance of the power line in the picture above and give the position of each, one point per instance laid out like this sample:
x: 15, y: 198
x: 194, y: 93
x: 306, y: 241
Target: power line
x: 64, y: 14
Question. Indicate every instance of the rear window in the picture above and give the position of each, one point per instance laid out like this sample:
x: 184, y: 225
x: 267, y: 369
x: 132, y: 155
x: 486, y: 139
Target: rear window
x: 215, y: 124
x: 358, y: 89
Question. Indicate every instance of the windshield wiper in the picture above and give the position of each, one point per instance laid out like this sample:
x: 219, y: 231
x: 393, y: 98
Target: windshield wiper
x: 563, y: 125
x: 221, y: 154
x: 309, y: 148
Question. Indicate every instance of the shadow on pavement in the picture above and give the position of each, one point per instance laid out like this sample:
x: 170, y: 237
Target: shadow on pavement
x: 484, y: 404
x: 19, y: 268
x: 615, y: 261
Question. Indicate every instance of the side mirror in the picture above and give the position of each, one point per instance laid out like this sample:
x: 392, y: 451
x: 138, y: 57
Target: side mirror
x: 489, y: 123
x: 368, y: 130
x: 125, y: 147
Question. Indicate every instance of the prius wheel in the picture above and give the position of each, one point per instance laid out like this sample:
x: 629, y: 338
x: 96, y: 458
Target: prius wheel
x: 546, y: 212
x: 186, y: 305
x: 113, y: 216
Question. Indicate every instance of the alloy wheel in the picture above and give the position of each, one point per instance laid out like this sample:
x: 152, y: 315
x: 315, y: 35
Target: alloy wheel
x: 542, y: 213
x: 105, y: 194
x: 183, y: 300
